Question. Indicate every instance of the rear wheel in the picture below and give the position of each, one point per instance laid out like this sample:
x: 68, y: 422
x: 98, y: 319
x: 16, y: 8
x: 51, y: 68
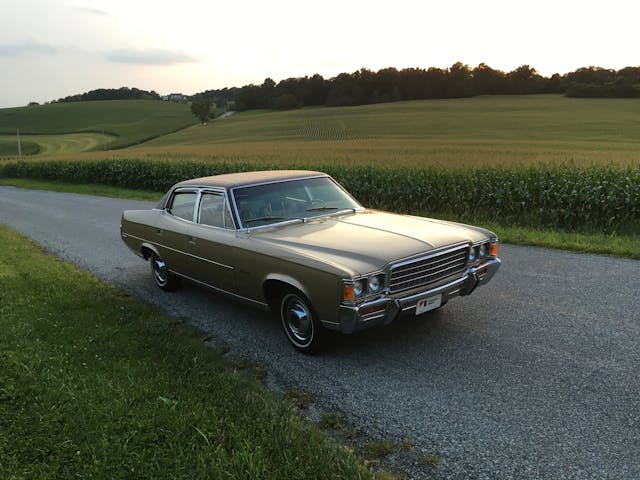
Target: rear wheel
x: 300, y: 323
x: 162, y: 277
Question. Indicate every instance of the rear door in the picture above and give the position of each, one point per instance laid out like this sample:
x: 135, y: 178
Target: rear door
x: 212, y: 242
x: 173, y: 230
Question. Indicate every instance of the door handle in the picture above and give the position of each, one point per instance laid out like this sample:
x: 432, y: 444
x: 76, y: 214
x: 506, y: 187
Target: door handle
x: 159, y: 231
x: 192, y: 240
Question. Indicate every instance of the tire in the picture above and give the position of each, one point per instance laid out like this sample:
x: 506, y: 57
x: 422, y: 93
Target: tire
x: 300, y: 323
x: 163, y: 279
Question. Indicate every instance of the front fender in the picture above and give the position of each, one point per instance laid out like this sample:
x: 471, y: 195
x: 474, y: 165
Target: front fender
x: 281, y: 277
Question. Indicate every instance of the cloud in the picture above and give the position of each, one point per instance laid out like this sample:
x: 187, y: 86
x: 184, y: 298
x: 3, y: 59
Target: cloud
x: 29, y: 47
x: 90, y: 10
x: 150, y: 57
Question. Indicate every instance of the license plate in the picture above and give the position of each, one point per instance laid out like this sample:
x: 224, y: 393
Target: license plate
x: 428, y: 303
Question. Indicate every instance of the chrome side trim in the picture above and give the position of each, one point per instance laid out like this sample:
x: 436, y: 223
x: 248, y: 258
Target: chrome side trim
x: 180, y: 251
x: 223, y: 292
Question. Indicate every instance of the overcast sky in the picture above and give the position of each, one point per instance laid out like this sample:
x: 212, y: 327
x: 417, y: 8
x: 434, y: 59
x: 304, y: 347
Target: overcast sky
x: 54, y: 48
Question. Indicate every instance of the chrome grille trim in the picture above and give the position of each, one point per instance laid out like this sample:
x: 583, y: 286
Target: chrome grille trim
x: 428, y: 269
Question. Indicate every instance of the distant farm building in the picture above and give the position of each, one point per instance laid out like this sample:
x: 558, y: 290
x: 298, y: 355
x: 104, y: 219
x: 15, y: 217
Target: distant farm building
x: 175, y: 97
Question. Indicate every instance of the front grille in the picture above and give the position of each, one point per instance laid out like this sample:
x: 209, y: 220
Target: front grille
x: 429, y: 269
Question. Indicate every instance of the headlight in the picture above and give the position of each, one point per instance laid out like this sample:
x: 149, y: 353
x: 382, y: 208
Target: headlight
x: 358, y: 287
x: 375, y: 283
x: 355, y: 289
x: 472, y: 254
x: 482, y: 251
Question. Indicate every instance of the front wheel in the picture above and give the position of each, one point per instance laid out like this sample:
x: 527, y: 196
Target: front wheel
x: 161, y: 275
x: 300, y: 324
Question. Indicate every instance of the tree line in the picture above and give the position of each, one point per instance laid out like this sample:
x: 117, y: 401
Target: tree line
x: 389, y: 84
x: 122, y: 93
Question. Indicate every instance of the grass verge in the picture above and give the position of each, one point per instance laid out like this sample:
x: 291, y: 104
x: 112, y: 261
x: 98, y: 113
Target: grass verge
x: 627, y: 246
x: 96, y: 385
x: 85, y: 188
x: 617, y: 245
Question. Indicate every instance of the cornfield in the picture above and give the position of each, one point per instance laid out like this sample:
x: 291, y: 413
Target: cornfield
x: 570, y: 198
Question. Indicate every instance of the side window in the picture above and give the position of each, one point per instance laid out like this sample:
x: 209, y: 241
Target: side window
x: 214, y: 211
x: 183, y: 205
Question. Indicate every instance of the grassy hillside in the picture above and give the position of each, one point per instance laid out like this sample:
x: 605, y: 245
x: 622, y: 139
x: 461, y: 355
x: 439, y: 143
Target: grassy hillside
x: 490, y: 130
x: 48, y: 144
x: 9, y: 146
x: 126, y: 122
x: 473, y: 131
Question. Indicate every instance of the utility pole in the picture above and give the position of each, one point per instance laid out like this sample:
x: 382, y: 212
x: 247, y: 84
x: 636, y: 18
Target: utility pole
x: 19, y: 147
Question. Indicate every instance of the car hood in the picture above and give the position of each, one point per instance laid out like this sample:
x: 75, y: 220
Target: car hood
x: 366, y: 241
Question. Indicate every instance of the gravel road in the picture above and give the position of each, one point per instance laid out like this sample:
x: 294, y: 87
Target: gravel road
x: 534, y: 376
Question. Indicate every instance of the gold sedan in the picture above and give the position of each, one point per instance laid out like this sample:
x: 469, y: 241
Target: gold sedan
x: 298, y: 243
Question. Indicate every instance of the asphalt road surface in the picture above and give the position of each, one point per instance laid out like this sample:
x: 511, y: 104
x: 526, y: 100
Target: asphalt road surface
x: 534, y: 376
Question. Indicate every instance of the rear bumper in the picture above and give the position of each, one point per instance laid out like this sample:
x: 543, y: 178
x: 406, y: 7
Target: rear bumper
x: 385, y: 309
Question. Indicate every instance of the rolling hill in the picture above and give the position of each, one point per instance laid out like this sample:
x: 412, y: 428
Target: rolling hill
x: 472, y: 131
x: 104, y: 124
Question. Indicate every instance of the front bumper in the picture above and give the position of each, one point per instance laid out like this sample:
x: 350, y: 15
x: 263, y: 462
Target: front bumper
x: 383, y: 310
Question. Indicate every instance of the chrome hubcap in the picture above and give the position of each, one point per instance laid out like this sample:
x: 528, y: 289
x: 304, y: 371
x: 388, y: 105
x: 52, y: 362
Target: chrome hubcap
x: 297, y: 316
x: 159, y: 270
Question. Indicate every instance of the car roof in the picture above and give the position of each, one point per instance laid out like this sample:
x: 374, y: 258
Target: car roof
x: 231, y: 180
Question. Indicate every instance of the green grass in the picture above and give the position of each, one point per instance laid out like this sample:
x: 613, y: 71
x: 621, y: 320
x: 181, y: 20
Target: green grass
x: 96, y: 385
x: 126, y: 122
x: 9, y: 146
x: 376, y: 449
x: 615, y: 245
x: 332, y: 420
x: 52, y: 144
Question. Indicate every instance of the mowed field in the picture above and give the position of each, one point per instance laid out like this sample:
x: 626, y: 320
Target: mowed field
x: 490, y: 130
x: 49, y: 144
x: 102, y: 125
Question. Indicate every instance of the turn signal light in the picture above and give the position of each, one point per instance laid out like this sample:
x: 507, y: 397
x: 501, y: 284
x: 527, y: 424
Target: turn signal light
x: 349, y: 293
x: 493, y: 249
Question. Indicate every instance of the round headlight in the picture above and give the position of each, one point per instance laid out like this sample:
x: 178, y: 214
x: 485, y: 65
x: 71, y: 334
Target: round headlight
x: 358, y: 287
x: 375, y: 283
x: 472, y: 254
x: 482, y: 251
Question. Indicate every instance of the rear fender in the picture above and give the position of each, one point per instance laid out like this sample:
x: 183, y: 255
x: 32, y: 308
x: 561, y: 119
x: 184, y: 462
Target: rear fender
x: 147, y: 249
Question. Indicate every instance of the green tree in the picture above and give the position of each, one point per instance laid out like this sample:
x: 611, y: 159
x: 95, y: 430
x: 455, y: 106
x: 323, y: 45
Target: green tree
x: 487, y: 81
x: 201, y: 107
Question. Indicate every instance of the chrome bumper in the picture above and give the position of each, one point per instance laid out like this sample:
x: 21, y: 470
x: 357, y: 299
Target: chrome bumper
x: 385, y: 309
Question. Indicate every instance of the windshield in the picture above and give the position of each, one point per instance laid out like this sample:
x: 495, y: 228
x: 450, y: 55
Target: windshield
x: 291, y: 199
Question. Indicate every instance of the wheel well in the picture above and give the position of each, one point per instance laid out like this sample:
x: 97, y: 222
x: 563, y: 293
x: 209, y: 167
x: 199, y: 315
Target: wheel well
x: 146, y: 252
x: 273, y: 291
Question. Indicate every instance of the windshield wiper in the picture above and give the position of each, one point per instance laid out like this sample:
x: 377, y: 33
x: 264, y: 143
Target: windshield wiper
x: 318, y: 209
x: 258, y: 219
